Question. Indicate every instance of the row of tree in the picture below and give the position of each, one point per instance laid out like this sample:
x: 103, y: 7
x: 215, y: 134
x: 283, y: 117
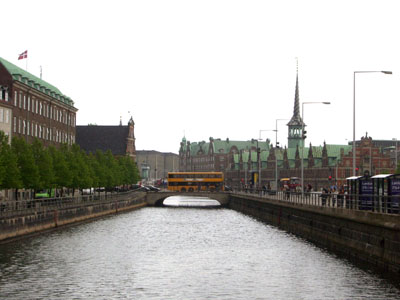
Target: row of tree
x: 32, y: 166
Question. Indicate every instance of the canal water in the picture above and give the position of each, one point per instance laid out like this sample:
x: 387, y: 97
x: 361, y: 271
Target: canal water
x: 180, y: 253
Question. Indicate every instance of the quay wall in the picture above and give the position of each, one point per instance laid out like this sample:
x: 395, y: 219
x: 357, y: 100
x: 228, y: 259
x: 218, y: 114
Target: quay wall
x: 43, y: 217
x: 367, y: 238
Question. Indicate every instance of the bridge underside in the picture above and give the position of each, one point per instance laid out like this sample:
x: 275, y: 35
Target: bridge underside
x: 157, y: 198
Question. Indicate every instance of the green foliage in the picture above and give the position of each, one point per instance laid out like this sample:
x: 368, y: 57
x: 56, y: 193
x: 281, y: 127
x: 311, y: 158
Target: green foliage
x: 80, y: 174
x: 44, y: 161
x: 29, y: 171
x: 9, y: 164
x: 35, y: 167
x: 62, y: 173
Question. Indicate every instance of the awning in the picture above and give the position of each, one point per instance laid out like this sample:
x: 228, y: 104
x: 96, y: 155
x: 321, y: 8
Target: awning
x: 382, y: 176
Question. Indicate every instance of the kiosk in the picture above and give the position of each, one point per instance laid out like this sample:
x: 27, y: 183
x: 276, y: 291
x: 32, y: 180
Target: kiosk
x: 361, y: 193
x: 387, y: 192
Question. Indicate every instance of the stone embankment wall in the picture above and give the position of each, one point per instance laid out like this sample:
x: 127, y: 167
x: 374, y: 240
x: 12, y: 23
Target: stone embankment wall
x: 368, y: 238
x: 41, y: 215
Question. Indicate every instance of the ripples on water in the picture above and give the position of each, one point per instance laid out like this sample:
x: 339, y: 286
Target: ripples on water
x: 169, y: 253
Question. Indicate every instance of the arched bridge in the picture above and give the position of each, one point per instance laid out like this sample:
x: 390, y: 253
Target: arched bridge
x: 157, y: 198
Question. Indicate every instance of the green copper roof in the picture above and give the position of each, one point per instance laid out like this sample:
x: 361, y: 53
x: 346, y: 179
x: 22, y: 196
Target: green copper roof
x: 224, y: 146
x: 35, y: 82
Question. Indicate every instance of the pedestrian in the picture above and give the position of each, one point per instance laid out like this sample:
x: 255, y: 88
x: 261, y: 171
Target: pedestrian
x: 340, y: 196
x: 324, y: 196
x: 286, y: 190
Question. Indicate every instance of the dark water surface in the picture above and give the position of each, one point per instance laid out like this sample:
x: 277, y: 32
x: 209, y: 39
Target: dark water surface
x: 179, y: 253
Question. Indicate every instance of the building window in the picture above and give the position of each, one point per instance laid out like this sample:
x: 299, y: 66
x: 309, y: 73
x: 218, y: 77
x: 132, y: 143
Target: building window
x: 28, y: 129
x: 7, y: 116
x: 40, y: 132
x: 6, y: 96
x: 51, y: 112
x: 15, y: 98
x: 40, y: 108
x: 20, y: 100
x: 48, y: 109
x: 24, y: 127
x: 1, y: 115
x: 47, y: 134
x: 37, y: 106
x: 36, y: 130
x: 15, y: 124
x: 24, y: 102
x: 29, y: 103
x: 19, y: 126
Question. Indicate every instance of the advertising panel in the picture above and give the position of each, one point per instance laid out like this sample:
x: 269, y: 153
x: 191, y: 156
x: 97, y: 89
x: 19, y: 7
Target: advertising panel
x: 395, y: 193
x: 366, y: 192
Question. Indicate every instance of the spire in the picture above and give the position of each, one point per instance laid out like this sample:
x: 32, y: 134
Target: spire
x: 296, y: 119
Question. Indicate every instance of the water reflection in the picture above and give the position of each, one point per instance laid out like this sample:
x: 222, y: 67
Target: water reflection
x: 187, y: 201
x: 167, y: 253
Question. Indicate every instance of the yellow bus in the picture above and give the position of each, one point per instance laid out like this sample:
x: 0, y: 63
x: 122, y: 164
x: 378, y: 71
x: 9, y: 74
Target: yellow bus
x: 195, y: 181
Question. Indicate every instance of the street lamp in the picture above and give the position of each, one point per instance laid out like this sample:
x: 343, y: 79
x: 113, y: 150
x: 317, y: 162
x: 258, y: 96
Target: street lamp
x: 258, y: 161
x: 276, y: 158
x: 354, y: 113
x: 302, y: 144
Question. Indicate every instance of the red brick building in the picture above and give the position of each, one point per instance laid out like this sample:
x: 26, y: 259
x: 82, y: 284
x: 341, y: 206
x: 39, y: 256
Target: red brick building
x: 38, y: 109
x: 324, y: 165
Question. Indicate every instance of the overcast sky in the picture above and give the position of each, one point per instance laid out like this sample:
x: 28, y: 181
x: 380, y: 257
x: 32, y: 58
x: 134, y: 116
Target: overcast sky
x: 215, y: 68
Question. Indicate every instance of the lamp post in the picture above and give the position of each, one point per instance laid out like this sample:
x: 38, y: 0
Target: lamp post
x: 258, y: 161
x: 276, y: 158
x: 354, y: 112
x: 302, y: 145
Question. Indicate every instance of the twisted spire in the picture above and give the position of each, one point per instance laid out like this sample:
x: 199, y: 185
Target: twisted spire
x: 296, y: 119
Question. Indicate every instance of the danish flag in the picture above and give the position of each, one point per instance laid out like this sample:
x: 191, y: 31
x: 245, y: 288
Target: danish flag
x: 23, y: 55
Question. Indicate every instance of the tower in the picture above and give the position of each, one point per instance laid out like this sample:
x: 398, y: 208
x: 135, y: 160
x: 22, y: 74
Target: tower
x: 295, y: 125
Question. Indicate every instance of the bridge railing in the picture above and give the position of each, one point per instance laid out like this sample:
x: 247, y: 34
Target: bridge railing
x: 382, y: 204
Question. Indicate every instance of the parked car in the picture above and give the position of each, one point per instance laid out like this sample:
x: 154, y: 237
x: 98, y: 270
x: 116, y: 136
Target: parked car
x: 228, y: 188
x: 89, y: 191
x: 135, y: 186
x: 152, y: 188
x: 143, y: 189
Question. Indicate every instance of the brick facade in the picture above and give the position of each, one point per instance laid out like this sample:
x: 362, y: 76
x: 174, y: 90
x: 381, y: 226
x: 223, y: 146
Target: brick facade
x: 39, y: 110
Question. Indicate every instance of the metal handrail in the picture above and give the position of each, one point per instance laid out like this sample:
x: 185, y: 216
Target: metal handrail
x: 376, y: 203
x: 38, y: 206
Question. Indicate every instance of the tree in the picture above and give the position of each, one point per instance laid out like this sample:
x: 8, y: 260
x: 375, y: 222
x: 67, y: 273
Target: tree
x: 129, y: 171
x: 79, y: 169
x: 100, y: 168
x: 9, y: 165
x: 29, y: 171
x: 62, y: 174
x: 44, y: 161
x: 112, y: 175
x: 93, y: 166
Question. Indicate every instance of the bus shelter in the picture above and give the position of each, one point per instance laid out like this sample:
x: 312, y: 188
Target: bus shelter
x: 387, y: 192
x: 360, y: 193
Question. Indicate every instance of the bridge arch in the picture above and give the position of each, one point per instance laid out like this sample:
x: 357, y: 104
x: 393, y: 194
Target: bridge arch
x: 157, y: 198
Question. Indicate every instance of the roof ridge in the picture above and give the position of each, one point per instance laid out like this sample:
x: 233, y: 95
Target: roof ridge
x: 15, y: 70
